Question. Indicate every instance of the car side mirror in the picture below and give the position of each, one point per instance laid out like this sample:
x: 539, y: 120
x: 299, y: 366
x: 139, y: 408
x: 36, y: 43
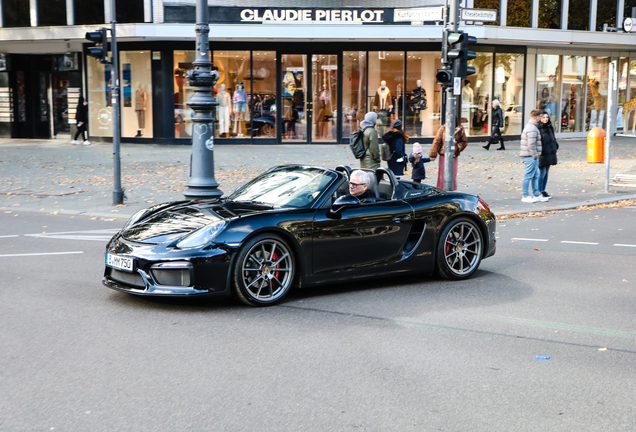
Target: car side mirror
x: 342, y: 203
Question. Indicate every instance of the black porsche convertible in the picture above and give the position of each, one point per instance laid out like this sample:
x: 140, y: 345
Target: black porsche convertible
x: 297, y: 225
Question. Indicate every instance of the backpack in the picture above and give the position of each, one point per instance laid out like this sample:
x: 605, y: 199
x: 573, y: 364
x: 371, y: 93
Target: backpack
x: 385, y: 152
x: 357, y: 144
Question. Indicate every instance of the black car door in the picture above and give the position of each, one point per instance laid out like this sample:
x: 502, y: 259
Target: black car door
x: 373, y: 234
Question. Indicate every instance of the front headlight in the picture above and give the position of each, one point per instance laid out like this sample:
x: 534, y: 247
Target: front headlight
x: 202, y: 236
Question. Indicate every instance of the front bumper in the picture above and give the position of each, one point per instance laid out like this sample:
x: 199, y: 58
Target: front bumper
x: 160, y: 270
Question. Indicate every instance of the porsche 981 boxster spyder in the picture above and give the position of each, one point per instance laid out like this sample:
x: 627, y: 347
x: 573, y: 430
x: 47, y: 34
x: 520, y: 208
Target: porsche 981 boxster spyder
x: 297, y: 226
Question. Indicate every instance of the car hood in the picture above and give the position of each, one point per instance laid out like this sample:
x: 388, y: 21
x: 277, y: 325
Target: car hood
x: 180, y: 219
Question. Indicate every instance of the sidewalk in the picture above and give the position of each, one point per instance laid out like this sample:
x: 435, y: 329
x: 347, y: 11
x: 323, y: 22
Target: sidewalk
x: 55, y: 176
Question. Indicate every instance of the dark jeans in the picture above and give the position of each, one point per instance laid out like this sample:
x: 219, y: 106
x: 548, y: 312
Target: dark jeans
x: 495, y: 136
x: 80, y: 130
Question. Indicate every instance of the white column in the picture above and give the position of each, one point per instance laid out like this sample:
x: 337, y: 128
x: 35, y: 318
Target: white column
x: 503, y: 12
x: 593, y: 6
x: 108, y: 7
x: 157, y: 11
x: 620, y: 8
x: 70, y: 16
x: 534, y: 23
x: 147, y: 10
x: 530, y: 98
x: 33, y: 12
x: 565, y: 7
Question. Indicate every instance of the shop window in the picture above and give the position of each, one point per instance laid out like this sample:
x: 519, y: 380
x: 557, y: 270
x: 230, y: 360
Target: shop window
x: 99, y: 87
x: 129, y: 11
x: 324, y: 85
x: 597, y: 78
x: 182, y: 94
x: 476, y: 114
x: 15, y: 13
x: 629, y: 11
x: 518, y: 13
x: 232, y: 91
x: 422, y: 102
x: 386, y: 87
x: 509, y: 90
x: 623, y: 74
x: 488, y: 4
x: 88, y: 11
x: 354, y: 90
x: 548, y: 79
x: 294, y: 102
x: 579, y: 15
x: 550, y: 14
x: 263, y: 98
x: 572, y: 100
x: 606, y: 14
x: 51, y: 12
x: 136, y: 94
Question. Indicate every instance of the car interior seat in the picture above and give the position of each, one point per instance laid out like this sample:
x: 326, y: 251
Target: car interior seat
x: 386, y: 183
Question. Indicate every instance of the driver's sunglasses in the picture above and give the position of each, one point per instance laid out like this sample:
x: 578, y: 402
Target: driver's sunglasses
x: 355, y: 184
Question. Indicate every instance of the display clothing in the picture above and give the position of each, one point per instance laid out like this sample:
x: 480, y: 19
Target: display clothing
x: 224, y: 100
x: 396, y: 140
x: 382, y: 99
x: 240, y: 100
x: 418, y: 99
x: 141, y: 99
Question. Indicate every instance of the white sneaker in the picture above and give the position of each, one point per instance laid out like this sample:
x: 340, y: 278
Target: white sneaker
x: 541, y: 198
x: 76, y: 142
x: 528, y: 199
x: 87, y: 142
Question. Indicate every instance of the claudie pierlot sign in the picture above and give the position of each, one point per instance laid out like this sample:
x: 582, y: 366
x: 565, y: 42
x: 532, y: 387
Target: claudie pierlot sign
x: 260, y: 15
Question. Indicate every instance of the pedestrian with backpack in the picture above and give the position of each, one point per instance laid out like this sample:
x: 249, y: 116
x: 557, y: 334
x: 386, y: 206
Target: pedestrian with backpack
x: 393, y: 149
x: 371, y: 159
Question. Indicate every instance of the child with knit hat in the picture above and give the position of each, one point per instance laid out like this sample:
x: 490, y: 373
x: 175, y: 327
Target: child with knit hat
x: 417, y: 163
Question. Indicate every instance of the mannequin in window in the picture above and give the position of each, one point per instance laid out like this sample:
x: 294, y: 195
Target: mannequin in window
x: 141, y: 99
x: 239, y: 99
x: 382, y: 103
x: 467, y: 104
x: 224, y: 100
x: 322, y: 120
x: 418, y: 104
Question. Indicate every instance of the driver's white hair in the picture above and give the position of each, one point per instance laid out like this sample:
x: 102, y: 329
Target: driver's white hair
x: 361, y: 175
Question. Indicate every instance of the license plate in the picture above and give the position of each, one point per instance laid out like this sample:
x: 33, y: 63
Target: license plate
x: 120, y: 262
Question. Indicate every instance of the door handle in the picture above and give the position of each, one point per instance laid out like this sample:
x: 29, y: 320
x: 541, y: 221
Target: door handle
x: 402, y: 218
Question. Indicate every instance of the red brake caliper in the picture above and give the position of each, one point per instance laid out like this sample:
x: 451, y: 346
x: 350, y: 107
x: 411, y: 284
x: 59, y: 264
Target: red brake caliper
x: 274, y: 259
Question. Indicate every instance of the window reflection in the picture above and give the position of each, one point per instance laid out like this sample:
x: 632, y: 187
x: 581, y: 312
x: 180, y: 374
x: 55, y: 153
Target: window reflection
x: 509, y: 90
x: 324, y: 84
x: 548, y: 73
x: 476, y: 113
x: 294, y: 68
x: 597, y: 77
x: 572, y: 101
x: 386, y: 87
x: 422, y: 102
x: 354, y: 90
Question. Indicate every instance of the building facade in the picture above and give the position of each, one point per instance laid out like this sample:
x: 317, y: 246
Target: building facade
x: 307, y: 72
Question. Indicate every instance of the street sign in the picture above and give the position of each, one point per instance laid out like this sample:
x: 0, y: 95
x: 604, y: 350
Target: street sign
x: 628, y: 25
x: 457, y: 86
x: 483, y: 15
x: 419, y: 14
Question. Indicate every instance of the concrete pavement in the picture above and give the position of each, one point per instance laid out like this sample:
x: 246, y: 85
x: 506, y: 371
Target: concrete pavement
x: 55, y: 176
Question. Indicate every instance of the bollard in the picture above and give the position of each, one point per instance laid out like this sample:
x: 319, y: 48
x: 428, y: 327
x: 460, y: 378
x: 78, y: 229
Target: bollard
x: 596, y: 145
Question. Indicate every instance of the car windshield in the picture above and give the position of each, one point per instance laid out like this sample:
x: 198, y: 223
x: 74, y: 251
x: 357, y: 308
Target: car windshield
x: 288, y: 186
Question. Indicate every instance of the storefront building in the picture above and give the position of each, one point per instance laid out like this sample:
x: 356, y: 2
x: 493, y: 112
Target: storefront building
x: 307, y: 74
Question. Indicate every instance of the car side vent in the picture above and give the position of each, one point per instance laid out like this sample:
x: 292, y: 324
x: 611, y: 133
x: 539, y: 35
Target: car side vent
x: 415, y: 236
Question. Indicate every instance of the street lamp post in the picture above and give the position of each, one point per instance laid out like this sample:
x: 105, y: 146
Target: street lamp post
x: 202, y: 78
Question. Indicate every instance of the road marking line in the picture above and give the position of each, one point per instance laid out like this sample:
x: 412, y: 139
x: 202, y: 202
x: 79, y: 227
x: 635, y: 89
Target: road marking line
x: 41, y: 254
x: 625, y: 245
x: 578, y: 242
x: 569, y: 327
x: 69, y: 237
x: 529, y: 239
x: 9, y: 236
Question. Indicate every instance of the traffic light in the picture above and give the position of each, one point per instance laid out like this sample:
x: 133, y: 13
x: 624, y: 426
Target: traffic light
x: 100, y: 50
x: 444, y: 77
x: 460, y: 67
x: 451, y: 46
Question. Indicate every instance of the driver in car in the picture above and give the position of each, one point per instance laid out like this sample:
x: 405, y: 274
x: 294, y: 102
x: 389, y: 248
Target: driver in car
x: 359, y: 185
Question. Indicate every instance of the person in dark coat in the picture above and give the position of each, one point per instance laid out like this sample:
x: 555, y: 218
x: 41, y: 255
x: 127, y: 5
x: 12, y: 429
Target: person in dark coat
x: 549, y: 147
x: 81, y: 116
x: 497, y: 124
x: 396, y: 139
x: 417, y: 163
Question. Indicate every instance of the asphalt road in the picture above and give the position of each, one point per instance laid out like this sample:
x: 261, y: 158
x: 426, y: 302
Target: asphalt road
x: 407, y: 354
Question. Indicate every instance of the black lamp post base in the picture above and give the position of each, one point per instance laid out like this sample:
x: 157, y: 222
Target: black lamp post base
x: 202, y: 193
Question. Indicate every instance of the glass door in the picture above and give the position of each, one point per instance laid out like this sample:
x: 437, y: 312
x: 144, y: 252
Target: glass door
x: 324, y: 85
x: 296, y: 121
x: 309, y: 97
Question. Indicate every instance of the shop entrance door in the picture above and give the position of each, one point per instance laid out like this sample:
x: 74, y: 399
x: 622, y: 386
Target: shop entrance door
x: 309, y: 97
